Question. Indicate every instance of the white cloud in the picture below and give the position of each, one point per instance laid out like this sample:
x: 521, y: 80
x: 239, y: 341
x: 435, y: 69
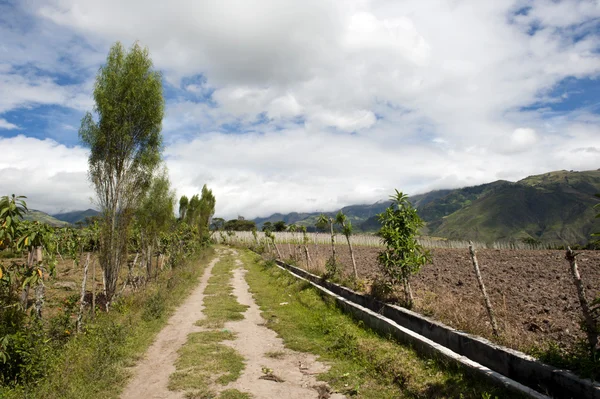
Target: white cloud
x: 432, y: 92
x: 4, y: 124
x: 51, y: 175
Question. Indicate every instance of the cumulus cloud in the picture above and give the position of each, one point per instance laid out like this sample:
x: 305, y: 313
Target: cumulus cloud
x: 51, y: 175
x: 325, y: 103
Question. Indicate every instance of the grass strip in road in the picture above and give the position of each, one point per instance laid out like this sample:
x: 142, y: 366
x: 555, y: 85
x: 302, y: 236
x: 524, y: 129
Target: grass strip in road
x: 220, y: 305
x: 204, y: 361
x: 363, y: 363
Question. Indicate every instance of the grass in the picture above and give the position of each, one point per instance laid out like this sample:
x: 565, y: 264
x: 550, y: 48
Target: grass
x: 220, y: 303
x: 363, y: 363
x: 203, y: 361
x: 95, y: 364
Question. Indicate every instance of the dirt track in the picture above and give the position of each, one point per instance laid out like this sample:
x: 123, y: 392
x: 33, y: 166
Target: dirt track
x: 532, y: 291
x: 151, y: 374
x: 296, y: 370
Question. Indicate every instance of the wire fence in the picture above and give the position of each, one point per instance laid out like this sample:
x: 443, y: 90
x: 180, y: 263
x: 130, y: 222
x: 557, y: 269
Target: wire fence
x: 365, y: 240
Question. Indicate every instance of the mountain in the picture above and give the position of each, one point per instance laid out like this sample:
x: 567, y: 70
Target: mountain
x: 43, y: 217
x: 555, y: 207
x: 76, y: 216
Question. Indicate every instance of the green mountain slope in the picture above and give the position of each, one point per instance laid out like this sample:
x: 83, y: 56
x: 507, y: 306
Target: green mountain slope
x: 43, y: 217
x: 553, y: 207
x: 76, y: 216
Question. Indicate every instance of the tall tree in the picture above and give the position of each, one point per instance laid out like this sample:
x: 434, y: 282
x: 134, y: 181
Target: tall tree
x: 155, y: 214
x: 193, y: 210
x: 206, y: 210
x: 125, y: 144
x: 183, y: 204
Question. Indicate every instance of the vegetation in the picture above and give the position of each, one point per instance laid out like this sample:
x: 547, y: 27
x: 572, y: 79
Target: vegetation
x: 239, y: 225
x: 403, y: 256
x: 363, y: 364
x: 332, y: 268
x: 35, y: 344
x: 125, y: 147
x: 346, y: 226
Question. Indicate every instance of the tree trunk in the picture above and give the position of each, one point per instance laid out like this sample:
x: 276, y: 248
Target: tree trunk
x: 590, y: 323
x: 40, y: 288
x: 352, y: 256
x: 486, y: 298
x: 82, y: 297
x: 149, y: 262
x: 408, y: 295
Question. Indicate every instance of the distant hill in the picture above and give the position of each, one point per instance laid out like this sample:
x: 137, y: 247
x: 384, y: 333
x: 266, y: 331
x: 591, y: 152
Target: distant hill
x: 76, y: 216
x: 555, y: 207
x: 42, y: 217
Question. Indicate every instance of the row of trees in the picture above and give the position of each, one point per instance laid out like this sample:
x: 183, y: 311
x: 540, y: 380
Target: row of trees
x: 137, y: 213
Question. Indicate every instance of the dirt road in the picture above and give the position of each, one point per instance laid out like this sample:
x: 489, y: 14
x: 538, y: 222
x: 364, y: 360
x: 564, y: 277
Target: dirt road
x: 294, y: 373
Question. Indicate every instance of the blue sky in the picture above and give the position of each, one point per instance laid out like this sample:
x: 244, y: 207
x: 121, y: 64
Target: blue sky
x: 282, y: 105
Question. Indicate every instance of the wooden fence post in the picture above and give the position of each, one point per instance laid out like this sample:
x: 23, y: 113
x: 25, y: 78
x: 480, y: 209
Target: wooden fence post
x: 590, y: 323
x: 488, y: 304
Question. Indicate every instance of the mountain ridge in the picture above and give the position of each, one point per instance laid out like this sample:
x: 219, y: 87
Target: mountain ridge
x: 554, y: 206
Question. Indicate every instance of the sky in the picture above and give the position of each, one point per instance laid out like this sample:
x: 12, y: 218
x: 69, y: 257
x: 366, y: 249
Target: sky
x: 308, y: 105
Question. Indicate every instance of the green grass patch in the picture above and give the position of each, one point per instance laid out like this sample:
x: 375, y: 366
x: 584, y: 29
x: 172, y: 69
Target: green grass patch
x: 363, y: 363
x: 220, y: 305
x: 95, y: 364
x: 234, y: 394
x: 203, y: 361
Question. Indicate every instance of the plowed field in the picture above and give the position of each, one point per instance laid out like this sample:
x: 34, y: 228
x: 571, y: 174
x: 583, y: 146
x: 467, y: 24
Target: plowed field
x: 532, y: 291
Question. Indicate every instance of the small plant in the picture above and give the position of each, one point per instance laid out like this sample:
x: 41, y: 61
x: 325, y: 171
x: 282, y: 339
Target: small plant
x: 346, y: 225
x: 403, y: 256
x: 332, y: 269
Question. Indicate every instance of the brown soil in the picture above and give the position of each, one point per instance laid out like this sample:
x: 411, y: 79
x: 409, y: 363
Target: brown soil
x: 532, y: 291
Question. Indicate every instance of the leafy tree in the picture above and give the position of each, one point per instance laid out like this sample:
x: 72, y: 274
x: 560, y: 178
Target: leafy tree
x: 12, y: 210
x: 403, y: 256
x: 240, y: 225
x: 346, y: 225
x: 218, y: 224
x: 125, y: 144
x: 279, y: 226
x: 206, y: 210
x: 155, y: 215
x: 193, y: 210
x: 267, y: 226
x: 183, y: 204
